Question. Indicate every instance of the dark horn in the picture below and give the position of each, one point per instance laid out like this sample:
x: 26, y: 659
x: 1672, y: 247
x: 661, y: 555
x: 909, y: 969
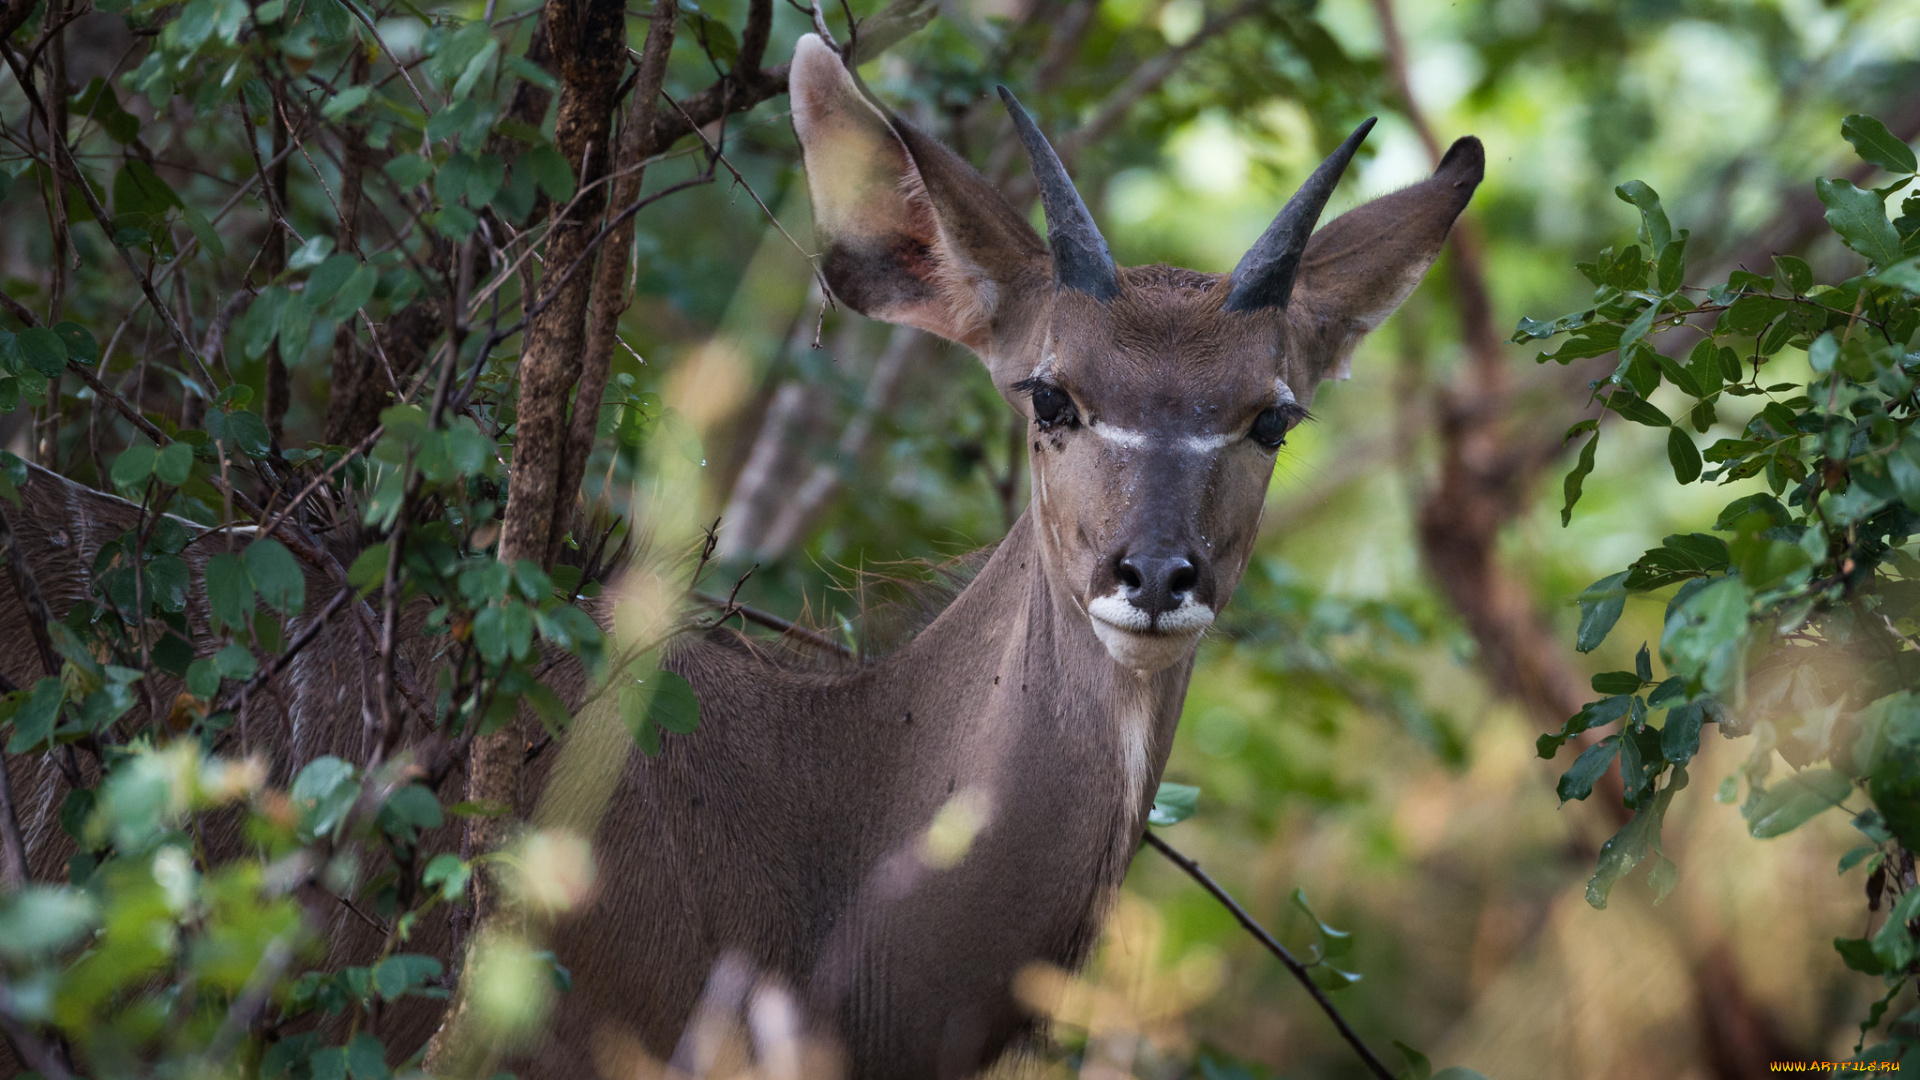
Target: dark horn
x: 1080, y: 256
x: 1264, y: 278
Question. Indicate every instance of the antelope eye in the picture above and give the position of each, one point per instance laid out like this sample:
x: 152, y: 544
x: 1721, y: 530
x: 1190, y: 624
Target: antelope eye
x: 1270, y: 427
x: 1051, y: 406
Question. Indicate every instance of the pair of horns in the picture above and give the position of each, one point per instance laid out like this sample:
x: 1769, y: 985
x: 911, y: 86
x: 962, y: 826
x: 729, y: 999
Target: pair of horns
x: 1081, y: 260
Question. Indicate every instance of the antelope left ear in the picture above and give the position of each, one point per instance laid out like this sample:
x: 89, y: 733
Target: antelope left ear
x: 1364, y: 263
x: 908, y: 231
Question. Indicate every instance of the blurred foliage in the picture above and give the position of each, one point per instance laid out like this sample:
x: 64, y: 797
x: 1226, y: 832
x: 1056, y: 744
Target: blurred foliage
x: 1793, y: 627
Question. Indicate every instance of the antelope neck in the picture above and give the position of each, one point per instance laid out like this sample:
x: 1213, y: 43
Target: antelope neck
x: 1049, y: 672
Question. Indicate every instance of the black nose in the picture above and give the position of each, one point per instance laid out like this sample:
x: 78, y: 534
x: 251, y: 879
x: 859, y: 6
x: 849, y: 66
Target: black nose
x: 1156, y: 584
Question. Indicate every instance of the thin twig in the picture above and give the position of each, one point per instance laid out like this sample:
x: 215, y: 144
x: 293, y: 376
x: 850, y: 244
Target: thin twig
x: 785, y: 627
x: 13, y: 845
x: 39, y: 616
x: 307, y: 633
x: 1298, y: 970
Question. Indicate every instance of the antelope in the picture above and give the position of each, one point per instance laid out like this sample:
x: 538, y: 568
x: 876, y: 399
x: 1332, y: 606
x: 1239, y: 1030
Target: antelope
x: 1034, y: 714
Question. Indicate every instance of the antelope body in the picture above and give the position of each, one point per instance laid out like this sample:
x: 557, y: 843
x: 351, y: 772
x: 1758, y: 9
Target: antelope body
x: 800, y: 828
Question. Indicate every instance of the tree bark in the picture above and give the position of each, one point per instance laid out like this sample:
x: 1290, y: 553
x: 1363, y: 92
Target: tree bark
x: 588, y: 38
x: 609, y: 290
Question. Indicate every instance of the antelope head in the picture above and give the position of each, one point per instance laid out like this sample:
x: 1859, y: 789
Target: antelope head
x: 1156, y: 397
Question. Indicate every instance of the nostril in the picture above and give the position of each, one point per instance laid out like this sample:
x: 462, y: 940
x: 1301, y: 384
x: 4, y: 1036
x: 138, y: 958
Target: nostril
x: 1183, y: 578
x: 1129, y: 575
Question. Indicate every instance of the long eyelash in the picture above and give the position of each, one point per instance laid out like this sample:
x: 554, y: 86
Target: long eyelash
x: 1294, y: 413
x: 1029, y: 384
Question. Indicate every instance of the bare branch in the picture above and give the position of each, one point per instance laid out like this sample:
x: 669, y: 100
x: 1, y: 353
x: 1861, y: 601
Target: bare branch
x: 39, y: 616
x: 1146, y: 79
x: 609, y: 295
x: 1260, y: 934
x: 13, y: 845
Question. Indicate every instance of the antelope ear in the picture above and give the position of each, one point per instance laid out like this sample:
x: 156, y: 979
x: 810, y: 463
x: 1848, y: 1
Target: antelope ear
x: 1364, y: 263
x: 908, y: 231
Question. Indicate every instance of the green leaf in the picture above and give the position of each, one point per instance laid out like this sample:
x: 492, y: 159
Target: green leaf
x: 1577, y: 478
x: 1637, y: 409
x: 327, y: 278
x: 235, y: 661
x: 174, y: 464
x: 1683, y: 455
x: 1173, y: 803
x: 1671, y: 271
x: 1587, y: 769
x: 134, y: 464
x: 450, y: 180
x: 1796, y: 800
x: 1793, y: 270
x: 1418, y: 1066
x: 1624, y: 850
x: 448, y: 874
x: 1894, y: 943
x: 367, y: 1058
x: 1679, y: 557
x: 40, y: 920
x: 1874, y: 143
x: 476, y: 67
x: 1333, y: 943
x: 345, y: 102
x: 1734, y: 513
x: 249, y: 434
x: 167, y: 582
x: 408, y: 171
x: 1601, y: 604
x: 1593, y: 714
x: 532, y: 72
x: 43, y: 350
x: 1654, y: 227
x: 312, y: 253
x: 295, y: 328
x: 355, y: 293
x: 1679, y: 376
x: 137, y: 189
x: 1857, y: 953
x: 1860, y: 217
x: 1616, y: 682
x: 484, y: 181
x: 674, y: 707
x: 98, y: 102
x: 369, y: 569
x: 276, y: 576
x: 1853, y: 858
x: 1706, y: 634
x: 229, y: 591
x: 35, y: 714
x: 79, y: 342
x: 203, y: 679
x: 1680, y: 738
x: 323, y: 793
x: 1903, y: 275
x: 555, y: 176
x: 409, y: 808
x: 1327, y: 977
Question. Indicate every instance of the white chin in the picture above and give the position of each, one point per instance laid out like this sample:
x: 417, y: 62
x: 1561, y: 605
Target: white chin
x: 1145, y: 653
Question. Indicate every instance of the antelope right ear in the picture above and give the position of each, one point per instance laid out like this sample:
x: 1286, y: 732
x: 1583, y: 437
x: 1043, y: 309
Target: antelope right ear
x: 908, y: 231
x: 1359, y: 268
